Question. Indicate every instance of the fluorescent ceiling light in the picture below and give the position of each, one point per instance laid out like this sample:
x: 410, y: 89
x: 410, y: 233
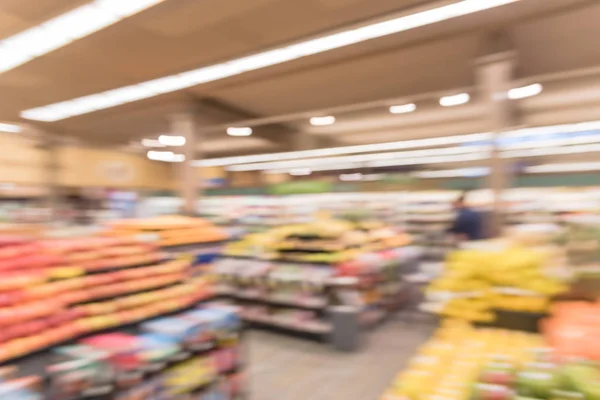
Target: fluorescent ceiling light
x: 174, y: 141
x: 452, y: 173
x: 152, y: 143
x: 551, y: 151
x: 11, y: 128
x: 428, y: 160
x: 274, y: 56
x: 301, y: 172
x: 525, y: 91
x: 403, y: 109
x: 351, y: 177
x: 322, y: 121
x: 166, y: 156
x: 239, y: 131
x: 571, y: 167
x: 66, y: 28
x: 455, y: 100
x: 540, y: 137
x: 332, y: 151
x: 390, y: 158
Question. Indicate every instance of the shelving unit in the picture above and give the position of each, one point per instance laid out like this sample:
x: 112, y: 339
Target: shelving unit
x: 214, y: 366
x: 297, y: 297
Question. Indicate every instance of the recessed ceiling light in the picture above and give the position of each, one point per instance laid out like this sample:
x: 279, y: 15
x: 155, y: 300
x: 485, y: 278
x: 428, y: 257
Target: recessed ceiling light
x: 322, y: 121
x: 66, y: 28
x: 174, y: 141
x: 152, y: 143
x: 11, y: 128
x: 239, y: 131
x: 274, y: 56
x: 403, y: 109
x: 455, y: 100
x: 525, y: 91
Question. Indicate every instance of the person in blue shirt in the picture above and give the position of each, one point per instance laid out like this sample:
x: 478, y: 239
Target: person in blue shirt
x: 468, y: 224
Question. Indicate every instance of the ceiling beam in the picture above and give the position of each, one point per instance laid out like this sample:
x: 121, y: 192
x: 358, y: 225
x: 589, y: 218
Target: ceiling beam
x: 282, y: 134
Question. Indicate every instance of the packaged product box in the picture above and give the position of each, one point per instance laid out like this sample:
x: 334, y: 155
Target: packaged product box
x: 125, y: 356
x: 157, y: 350
x: 79, y: 371
x: 151, y: 389
x: 189, y: 375
x: 191, y: 334
x: 224, y: 320
x: 27, y: 388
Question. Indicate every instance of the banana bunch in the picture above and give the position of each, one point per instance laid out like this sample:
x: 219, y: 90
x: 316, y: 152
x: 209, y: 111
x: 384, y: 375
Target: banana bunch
x: 475, y: 282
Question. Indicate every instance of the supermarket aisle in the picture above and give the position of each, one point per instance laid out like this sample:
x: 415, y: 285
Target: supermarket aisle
x: 296, y: 369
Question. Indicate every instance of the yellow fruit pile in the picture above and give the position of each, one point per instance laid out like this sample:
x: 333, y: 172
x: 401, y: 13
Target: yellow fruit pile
x: 475, y: 282
x: 450, y: 362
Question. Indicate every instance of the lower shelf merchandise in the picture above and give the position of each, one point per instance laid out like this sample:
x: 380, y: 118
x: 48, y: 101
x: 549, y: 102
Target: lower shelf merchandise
x: 298, y: 297
x: 192, y: 355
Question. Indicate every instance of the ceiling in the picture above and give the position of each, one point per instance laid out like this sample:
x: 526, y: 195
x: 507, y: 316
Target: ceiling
x: 550, y: 36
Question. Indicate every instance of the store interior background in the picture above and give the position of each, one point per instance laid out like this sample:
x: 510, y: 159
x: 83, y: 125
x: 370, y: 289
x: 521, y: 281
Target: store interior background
x: 503, y: 102
x: 542, y: 42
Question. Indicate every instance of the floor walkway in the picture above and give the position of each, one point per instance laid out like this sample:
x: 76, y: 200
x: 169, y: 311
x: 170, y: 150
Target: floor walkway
x: 286, y: 368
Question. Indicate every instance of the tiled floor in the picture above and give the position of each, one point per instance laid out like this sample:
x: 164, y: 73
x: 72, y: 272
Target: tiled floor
x: 286, y: 368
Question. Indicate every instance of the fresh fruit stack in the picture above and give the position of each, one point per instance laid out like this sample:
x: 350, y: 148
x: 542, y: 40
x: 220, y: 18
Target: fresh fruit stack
x: 449, y: 363
x: 327, y: 241
x: 461, y: 362
x: 32, y: 314
x: 168, y: 231
x: 505, y: 378
x: 45, y: 298
x: 574, y: 329
x: 476, y: 282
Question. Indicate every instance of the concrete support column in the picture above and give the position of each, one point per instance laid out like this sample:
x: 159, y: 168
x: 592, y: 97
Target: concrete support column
x: 52, y: 179
x: 184, y: 124
x: 50, y: 145
x: 494, y: 79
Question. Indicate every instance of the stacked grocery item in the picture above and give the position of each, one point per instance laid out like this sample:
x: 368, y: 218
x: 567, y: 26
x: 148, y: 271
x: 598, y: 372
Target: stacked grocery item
x: 449, y: 363
x: 195, y: 354
x: 168, y: 231
x: 52, y: 291
x: 326, y: 241
x: 280, y: 294
x: 289, y: 277
x: 476, y: 282
x: 13, y: 386
x: 461, y: 362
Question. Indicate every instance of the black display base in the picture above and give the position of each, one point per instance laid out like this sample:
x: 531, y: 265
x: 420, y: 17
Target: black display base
x: 318, y: 337
x: 516, y: 320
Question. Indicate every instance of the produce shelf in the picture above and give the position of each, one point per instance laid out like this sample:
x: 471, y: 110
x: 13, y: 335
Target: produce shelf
x: 127, y: 327
x: 132, y: 266
x: 117, y: 296
x: 270, y: 323
x: 276, y: 302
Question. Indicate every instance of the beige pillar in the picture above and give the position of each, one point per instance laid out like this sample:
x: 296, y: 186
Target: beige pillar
x: 184, y: 124
x: 50, y: 145
x: 494, y: 79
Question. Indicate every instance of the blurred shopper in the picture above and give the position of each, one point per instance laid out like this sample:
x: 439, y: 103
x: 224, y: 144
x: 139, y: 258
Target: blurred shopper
x: 468, y: 223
